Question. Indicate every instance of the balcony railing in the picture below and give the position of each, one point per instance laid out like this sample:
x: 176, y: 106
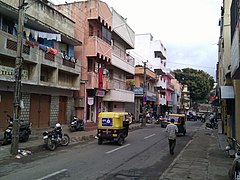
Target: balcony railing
x: 68, y: 63
x: 123, y: 55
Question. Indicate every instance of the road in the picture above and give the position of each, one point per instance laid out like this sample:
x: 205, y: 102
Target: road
x: 144, y: 155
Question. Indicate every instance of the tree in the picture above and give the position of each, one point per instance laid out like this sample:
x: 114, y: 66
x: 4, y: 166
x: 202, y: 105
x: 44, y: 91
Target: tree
x: 199, y: 83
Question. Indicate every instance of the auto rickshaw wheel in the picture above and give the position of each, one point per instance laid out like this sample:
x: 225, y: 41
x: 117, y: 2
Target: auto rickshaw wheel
x: 100, y: 141
x: 184, y: 133
x: 120, y: 141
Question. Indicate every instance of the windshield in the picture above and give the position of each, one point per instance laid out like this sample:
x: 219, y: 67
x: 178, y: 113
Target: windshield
x: 176, y: 118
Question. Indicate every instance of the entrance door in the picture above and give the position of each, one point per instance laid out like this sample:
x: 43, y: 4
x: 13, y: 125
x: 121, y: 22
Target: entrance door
x: 62, y: 114
x: 40, y: 110
x: 6, y: 107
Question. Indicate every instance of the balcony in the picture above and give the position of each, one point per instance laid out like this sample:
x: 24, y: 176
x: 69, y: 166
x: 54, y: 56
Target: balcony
x: 122, y: 60
x: 99, y: 11
x: 96, y: 47
x: 119, y: 95
x: 170, y: 87
x: 93, y: 81
x: 35, y: 57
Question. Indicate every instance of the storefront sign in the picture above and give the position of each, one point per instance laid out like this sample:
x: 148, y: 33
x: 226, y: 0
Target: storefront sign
x: 99, y: 93
x: 138, y: 91
x: 90, y: 101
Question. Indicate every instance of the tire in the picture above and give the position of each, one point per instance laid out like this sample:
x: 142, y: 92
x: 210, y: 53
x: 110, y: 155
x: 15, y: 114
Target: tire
x: 25, y: 138
x: 120, y: 141
x: 236, y: 175
x: 65, y: 140
x: 51, y: 145
x: 72, y: 129
x: 5, y: 141
x: 100, y: 141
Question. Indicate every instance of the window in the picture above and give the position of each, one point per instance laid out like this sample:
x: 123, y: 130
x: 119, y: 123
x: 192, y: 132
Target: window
x: 106, y: 35
x: 90, y: 30
x: 157, y: 54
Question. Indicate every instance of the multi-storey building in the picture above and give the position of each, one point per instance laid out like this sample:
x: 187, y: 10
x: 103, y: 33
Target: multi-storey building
x: 93, y: 25
x: 176, y: 96
x: 50, y: 72
x: 168, y: 76
x: 153, y: 51
x: 150, y: 99
x: 228, y: 68
x: 121, y: 66
x: 186, y: 101
x: 105, y: 64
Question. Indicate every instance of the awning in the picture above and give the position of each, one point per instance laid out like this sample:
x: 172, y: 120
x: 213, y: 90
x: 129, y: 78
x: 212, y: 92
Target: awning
x: 227, y: 92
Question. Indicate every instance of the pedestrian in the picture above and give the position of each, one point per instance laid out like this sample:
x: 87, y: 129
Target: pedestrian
x: 172, y: 130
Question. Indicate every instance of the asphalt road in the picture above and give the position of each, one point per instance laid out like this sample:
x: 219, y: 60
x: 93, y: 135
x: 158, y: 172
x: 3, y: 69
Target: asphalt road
x: 144, y: 155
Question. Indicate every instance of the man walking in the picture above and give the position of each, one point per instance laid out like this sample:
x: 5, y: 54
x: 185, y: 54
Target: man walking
x: 172, y: 129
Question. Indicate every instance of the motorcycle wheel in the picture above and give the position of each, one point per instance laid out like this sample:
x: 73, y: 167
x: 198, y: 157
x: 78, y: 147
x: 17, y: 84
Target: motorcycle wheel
x: 236, y: 175
x: 73, y: 129
x: 25, y: 138
x: 51, y: 144
x: 65, y: 140
x: 120, y: 141
x: 5, y: 141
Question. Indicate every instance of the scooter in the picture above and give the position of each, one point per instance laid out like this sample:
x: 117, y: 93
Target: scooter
x: 24, y: 131
x: 76, y: 124
x: 234, y: 171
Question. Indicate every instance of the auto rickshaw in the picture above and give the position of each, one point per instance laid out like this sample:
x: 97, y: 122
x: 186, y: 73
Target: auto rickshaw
x: 180, y: 121
x: 112, y: 126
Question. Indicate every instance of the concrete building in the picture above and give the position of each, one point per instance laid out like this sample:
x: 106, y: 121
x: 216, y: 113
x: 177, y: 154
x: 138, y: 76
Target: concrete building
x: 186, y: 101
x: 122, y: 65
x: 151, y: 95
x: 105, y: 64
x: 50, y: 73
x: 225, y: 69
x: 154, y: 52
x: 176, y: 96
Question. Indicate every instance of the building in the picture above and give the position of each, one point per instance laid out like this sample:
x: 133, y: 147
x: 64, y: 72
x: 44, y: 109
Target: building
x: 186, y: 101
x: 118, y: 94
x: 50, y: 73
x: 176, y: 96
x: 105, y: 64
x: 154, y: 52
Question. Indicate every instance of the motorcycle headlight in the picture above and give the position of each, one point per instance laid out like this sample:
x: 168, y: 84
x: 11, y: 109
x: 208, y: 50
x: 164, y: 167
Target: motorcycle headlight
x: 227, y: 148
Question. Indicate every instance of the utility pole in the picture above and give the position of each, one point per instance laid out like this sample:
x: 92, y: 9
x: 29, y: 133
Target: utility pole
x: 18, y: 79
x: 144, y: 95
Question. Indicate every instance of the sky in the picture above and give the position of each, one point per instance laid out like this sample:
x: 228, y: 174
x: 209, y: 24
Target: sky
x: 187, y: 28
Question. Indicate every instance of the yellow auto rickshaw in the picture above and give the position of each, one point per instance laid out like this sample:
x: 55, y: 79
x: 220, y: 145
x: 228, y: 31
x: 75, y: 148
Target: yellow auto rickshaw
x: 180, y: 121
x: 112, y: 126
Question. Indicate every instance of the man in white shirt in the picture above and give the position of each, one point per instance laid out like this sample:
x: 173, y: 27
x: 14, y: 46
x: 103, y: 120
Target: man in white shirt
x: 172, y: 130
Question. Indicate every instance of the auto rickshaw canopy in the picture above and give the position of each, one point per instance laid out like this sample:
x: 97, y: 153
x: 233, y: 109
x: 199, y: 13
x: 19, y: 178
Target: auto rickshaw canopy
x: 112, y: 120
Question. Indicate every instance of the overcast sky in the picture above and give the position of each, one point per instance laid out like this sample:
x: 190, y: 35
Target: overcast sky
x: 187, y: 28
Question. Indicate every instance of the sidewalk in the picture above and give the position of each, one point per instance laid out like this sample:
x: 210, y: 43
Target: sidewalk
x: 35, y: 142
x: 203, y: 158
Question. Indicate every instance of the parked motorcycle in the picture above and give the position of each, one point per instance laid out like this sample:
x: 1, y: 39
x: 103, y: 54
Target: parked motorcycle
x: 24, y: 131
x: 76, y: 124
x: 234, y: 171
x: 55, y: 137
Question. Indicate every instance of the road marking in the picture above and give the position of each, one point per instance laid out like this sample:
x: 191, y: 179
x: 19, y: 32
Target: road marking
x: 53, y: 174
x: 149, y: 136
x: 117, y: 148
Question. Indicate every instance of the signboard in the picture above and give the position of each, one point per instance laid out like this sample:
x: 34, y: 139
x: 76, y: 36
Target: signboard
x: 90, y: 101
x: 106, y: 121
x: 99, y: 93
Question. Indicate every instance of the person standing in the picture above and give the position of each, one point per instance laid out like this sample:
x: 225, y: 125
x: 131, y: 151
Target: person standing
x: 172, y: 130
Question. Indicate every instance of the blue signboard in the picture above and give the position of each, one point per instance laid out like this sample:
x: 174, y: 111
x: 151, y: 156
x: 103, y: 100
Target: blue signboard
x: 106, y: 121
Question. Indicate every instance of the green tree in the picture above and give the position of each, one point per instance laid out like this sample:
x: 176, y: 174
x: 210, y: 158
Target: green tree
x: 199, y: 83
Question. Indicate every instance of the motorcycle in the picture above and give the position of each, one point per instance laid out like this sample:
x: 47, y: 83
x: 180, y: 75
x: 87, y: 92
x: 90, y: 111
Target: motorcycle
x: 24, y: 131
x: 234, y: 171
x: 55, y: 137
x: 76, y: 124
